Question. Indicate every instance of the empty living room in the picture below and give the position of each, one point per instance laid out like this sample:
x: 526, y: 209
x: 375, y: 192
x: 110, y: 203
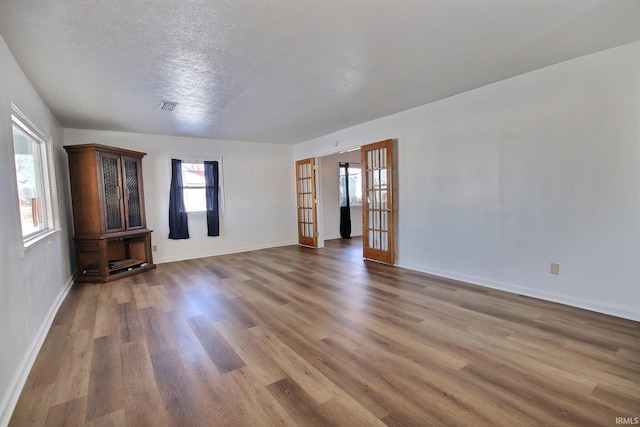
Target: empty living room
x: 223, y: 213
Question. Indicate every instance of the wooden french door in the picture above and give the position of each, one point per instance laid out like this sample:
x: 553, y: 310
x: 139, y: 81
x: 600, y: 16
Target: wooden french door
x: 307, y: 202
x: 377, y: 212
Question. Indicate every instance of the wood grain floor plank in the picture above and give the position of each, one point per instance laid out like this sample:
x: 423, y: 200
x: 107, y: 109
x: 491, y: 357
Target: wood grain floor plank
x: 106, y: 322
x: 105, y: 393
x: 53, y: 346
x: 74, y: 367
x: 67, y: 311
x: 301, y: 407
x: 257, y: 405
x: 33, y: 406
x: 220, y: 352
x: 142, y: 401
x: 257, y: 359
x: 433, y: 386
x: 514, y: 354
x: 301, y: 371
x: 67, y: 414
x: 182, y: 335
x: 236, y: 316
x: 297, y: 336
x: 216, y: 393
x: 112, y: 419
x: 161, y: 299
x: 128, y: 323
x: 122, y: 291
x: 409, y: 342
x: 153, y: 325
x: 354, y: 378
x: 142, y: 295
x: 85, y: 317
x: 178, y: 395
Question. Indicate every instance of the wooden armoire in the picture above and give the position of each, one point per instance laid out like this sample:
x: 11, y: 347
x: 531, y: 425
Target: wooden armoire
x: 111, y: 238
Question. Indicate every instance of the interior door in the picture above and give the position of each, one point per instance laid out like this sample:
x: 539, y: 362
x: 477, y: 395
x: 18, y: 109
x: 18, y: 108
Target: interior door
x: 377, y: 193
x: 307, y: 202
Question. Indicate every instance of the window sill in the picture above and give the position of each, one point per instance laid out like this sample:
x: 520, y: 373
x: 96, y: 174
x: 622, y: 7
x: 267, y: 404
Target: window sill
x: 37, y: 240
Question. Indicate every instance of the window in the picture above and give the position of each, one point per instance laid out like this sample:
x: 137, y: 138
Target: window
x: 355, y: 185
x: 32, y: 177
x: 193, y: 185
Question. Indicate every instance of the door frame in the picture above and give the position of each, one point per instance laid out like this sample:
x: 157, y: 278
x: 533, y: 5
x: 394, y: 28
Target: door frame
x: 318, y: 159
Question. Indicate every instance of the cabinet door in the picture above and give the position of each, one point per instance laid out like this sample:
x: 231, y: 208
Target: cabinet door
x: 113, y: 201
x: 132, y: 180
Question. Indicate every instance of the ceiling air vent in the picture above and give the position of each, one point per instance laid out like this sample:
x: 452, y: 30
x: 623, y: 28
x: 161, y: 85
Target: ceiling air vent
x: 167, y: 105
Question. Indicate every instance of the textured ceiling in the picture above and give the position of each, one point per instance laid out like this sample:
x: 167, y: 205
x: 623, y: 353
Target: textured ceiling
x: 286, y: 71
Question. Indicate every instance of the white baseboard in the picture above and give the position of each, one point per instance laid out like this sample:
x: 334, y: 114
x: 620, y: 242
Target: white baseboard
x: 183, y: 257
x: 625, y: 312
x: 10, y: 400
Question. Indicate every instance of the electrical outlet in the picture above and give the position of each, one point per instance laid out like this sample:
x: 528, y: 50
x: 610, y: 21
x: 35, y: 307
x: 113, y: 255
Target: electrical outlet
x: 155, y: 248
x: 555, y: 268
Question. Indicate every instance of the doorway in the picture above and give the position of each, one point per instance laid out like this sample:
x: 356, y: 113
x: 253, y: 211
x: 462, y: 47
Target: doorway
x: 373, y: 228
x: 330, y: 193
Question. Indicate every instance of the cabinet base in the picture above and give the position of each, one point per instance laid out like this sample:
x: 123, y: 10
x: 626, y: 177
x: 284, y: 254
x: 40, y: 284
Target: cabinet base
x: 112, y: 277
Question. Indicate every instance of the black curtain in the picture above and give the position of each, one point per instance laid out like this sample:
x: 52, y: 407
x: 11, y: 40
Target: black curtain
x: 178, y: 221
x: 211, y: 178
x: 345, y: 207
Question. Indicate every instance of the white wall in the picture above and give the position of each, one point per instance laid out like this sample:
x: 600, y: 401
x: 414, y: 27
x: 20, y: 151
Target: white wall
x: 31, y: 285
x: 259, y: 187
x: 330, y: 196
x: 497, y: 183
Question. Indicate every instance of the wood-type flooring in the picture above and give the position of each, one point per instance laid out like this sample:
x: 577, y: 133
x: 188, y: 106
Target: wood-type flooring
x: 294, y: 336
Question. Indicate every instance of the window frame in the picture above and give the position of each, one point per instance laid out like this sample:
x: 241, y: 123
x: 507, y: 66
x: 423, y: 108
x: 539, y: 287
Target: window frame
x: 201, y: 159
x: 47, y: 172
